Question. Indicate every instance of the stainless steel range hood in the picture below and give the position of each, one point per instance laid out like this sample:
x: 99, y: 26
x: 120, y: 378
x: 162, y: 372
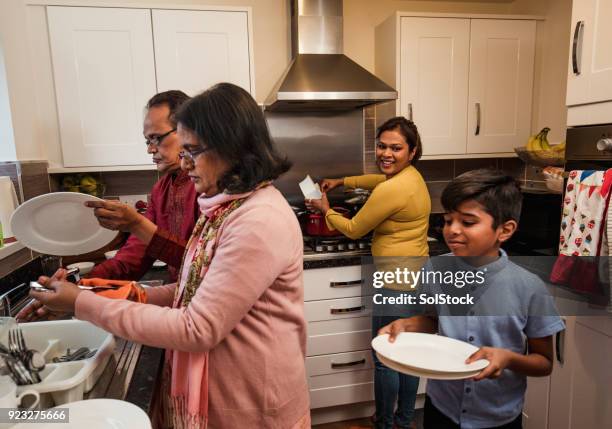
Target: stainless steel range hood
x: 320, y: 76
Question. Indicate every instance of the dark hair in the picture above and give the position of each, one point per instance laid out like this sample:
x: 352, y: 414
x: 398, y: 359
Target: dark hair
x: 174, y: 99
x: 498, y: 193
x: 227, y: 119
x: 408, y: 130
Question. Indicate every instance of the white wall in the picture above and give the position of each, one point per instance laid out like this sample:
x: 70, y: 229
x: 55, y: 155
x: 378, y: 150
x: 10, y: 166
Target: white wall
x: 7, y: 140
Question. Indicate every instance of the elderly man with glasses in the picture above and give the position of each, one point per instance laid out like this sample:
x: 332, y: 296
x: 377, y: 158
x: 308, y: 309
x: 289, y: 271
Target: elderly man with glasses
x: 163, y: 231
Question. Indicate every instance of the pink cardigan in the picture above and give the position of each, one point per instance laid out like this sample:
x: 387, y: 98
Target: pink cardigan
x: 248, y: 312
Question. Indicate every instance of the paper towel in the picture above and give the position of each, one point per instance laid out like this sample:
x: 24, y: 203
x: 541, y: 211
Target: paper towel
x: 8, y: 204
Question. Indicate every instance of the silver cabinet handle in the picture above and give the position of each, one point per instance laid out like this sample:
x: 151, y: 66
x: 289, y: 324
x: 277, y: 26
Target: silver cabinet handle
x: 410, y: 112
x: 335, y: 365
x: 560, y: 345
x: 350, y: 283
x: 575, y: 54
x: 347, y: 310
x: 477, y: 119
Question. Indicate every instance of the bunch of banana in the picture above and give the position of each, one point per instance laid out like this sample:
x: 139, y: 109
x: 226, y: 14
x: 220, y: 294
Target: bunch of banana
x: 539, y: 142
x: 559, y: 148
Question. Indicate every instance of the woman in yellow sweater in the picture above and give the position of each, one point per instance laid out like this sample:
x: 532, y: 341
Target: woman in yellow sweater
x: 398, y: 212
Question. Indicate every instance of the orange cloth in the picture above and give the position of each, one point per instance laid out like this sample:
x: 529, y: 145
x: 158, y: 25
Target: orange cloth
x: 129, y: 290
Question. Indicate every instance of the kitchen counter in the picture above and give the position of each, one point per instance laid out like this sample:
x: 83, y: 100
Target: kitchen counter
x: 132, y: 375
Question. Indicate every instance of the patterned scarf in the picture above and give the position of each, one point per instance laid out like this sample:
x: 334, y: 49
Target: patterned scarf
x: 205, y: 231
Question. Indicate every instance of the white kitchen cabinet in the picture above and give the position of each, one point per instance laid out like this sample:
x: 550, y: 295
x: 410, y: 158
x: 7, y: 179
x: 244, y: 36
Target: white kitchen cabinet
x: 590, y: 56
x: 434, y: 81
x: 339, y: 359
x: 104, y: 74
x: 197, y: 49
x: 501, y: 84
x: 466, y: 82
x: 107, y: 62
x: 581, y: 386
x: 339, y: 362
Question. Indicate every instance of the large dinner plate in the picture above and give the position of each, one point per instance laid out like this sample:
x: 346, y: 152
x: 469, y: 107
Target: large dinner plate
x: 59, y: 224
x: 428, y: 355
x: 97, y: 414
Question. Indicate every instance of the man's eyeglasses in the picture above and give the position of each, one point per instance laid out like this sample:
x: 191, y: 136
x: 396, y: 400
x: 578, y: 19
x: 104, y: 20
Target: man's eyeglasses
x: 189, y: 155
x: 156, y: 140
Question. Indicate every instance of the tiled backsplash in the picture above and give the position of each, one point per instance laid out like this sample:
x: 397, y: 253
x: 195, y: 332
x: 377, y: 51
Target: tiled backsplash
x: 118, y: 183
x: 29, y: 177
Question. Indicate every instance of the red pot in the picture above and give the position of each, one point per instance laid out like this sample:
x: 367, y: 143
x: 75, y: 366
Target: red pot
x: 317, y: 227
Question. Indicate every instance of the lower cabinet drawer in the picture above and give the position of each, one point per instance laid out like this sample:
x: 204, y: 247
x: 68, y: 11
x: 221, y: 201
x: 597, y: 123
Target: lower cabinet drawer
x: 338, y: 336
x: 341, y: 395
x: 331, y: 309
x: 332, y: 283
x: 341, y: 379
x: 339, y: 362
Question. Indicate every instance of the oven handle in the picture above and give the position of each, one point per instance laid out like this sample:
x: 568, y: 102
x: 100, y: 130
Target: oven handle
x: 577, y: 36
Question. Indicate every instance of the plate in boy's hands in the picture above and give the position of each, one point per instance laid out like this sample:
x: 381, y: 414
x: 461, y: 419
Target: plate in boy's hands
x: 428, y: 355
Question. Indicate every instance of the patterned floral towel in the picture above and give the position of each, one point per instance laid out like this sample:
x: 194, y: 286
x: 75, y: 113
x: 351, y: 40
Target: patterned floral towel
x: 585, y: 206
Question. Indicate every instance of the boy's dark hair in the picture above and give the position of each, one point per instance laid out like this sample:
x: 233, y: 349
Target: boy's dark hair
x: 498, y: 193
x: 226, y: 118
x: 408, y: 130
x: 174, y: 99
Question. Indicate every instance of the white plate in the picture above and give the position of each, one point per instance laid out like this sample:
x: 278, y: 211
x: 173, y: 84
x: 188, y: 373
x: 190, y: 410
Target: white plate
x: 59, y: 224
x: 426, y: 374
x: 97, y: 414
x: 430, y: 353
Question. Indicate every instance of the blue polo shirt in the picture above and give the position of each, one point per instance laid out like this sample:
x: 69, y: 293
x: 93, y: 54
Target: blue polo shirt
x: 518, y: 307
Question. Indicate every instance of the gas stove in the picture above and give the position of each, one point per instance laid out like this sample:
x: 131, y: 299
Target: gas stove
x: 335, y: 247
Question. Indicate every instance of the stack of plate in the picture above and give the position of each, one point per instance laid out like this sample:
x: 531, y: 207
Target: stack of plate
x: 427, y: 355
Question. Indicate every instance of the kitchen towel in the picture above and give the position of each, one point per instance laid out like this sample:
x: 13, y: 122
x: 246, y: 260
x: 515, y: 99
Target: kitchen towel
x: 8, y: 204
x: 585, y: 206
x: 129, y: 290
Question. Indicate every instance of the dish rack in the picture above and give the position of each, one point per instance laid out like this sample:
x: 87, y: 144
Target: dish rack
x: 65, y: 382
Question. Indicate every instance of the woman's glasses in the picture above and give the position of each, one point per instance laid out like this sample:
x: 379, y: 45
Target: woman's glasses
x: 189, y: 155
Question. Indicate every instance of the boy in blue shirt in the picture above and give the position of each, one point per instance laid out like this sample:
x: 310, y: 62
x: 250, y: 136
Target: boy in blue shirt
x: 482, y: 211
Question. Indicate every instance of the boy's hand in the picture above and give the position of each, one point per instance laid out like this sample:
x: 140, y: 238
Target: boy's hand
x: 499, y: 359
x: 393, y: 329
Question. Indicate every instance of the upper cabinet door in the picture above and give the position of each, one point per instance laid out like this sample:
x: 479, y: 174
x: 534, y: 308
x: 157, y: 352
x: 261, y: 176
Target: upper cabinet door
x: 434, y: 81
x: 196, y: 49
x: 104, y: 74
x: 590, y: 62
x: 501, y: 83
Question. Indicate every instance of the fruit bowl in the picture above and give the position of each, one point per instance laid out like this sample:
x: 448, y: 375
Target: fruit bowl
x: 542, y: 158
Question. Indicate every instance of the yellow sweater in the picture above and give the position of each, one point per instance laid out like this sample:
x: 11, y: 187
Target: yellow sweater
x: 397, y: 210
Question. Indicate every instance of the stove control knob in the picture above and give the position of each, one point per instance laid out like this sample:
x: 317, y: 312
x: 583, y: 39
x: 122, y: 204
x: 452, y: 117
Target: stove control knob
x: 605, y: 144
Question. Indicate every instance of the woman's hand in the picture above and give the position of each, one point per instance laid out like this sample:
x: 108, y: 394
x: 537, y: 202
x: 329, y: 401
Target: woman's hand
x: 499, y: 359
x: 36, y: 310
x: 115, y: 215
x: 61, y: 296
x: 321, y: 205
x: 329, y: 184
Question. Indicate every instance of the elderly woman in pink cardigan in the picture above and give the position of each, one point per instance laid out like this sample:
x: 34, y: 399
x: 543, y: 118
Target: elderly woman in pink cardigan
x: 233, y: 326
